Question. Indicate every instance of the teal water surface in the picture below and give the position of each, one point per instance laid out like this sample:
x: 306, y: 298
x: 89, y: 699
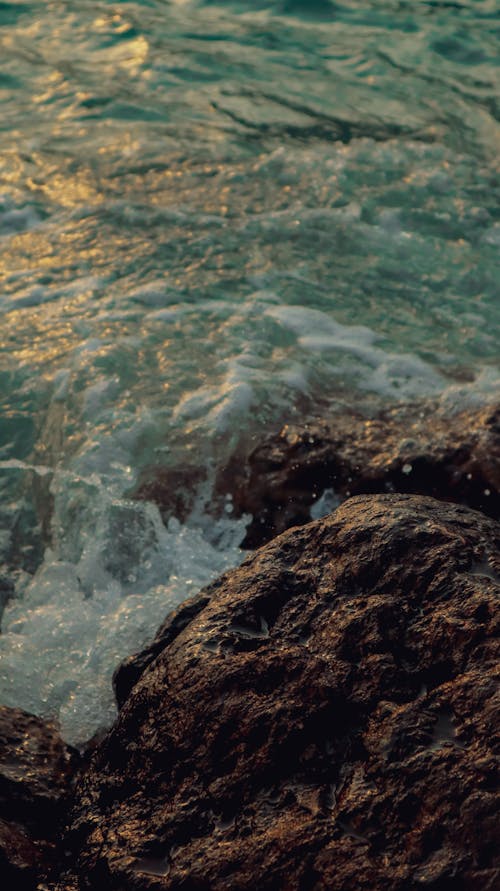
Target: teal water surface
x: 213, y: 215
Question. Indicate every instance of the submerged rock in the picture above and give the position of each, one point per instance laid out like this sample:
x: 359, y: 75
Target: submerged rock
x: 7, y: 588
x: 173, y: 490
x: 319, y: 718
x: 36, y: 771
x: 415, y: 449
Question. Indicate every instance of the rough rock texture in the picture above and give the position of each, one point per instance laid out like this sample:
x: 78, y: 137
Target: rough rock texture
x: 410, y: 449
x: 320, y: 718
x: 36, y: 770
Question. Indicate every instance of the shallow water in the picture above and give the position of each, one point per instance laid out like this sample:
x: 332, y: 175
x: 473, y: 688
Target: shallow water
x: 213, y: 215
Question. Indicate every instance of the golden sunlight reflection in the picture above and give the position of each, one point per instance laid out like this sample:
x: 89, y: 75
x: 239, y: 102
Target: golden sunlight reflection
x: 67, y: 191
x: 131, y: 55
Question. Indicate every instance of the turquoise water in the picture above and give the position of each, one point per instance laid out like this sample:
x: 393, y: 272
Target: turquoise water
x: 211, y: 216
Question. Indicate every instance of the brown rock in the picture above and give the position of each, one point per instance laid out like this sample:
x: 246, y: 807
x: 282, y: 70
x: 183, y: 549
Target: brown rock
x: 172, y: 489
x: 21, y: 859
x: 320, y: 718
x: 36, y: 770
x: 415, y: 449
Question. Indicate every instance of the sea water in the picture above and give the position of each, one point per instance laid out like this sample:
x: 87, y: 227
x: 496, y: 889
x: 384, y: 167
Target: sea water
x: 215, y: 216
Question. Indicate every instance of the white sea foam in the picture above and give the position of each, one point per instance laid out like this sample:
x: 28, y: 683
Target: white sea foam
x: 326, y: 503
x: 484, y: 389
x: 113, y: 569
x: 387, y: 373
x: 100, y: 594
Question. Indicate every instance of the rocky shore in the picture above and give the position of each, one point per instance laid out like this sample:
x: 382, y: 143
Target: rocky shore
x: 322, y: 717
x: 417, y: 449
x: 410, y: 448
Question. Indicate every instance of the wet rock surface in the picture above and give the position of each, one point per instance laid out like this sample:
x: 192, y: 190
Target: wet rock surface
x: 415, y: 449
x: 321, y: 717
x: 171, y: 489
x: 6, y: 589
x: 36, y: 773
